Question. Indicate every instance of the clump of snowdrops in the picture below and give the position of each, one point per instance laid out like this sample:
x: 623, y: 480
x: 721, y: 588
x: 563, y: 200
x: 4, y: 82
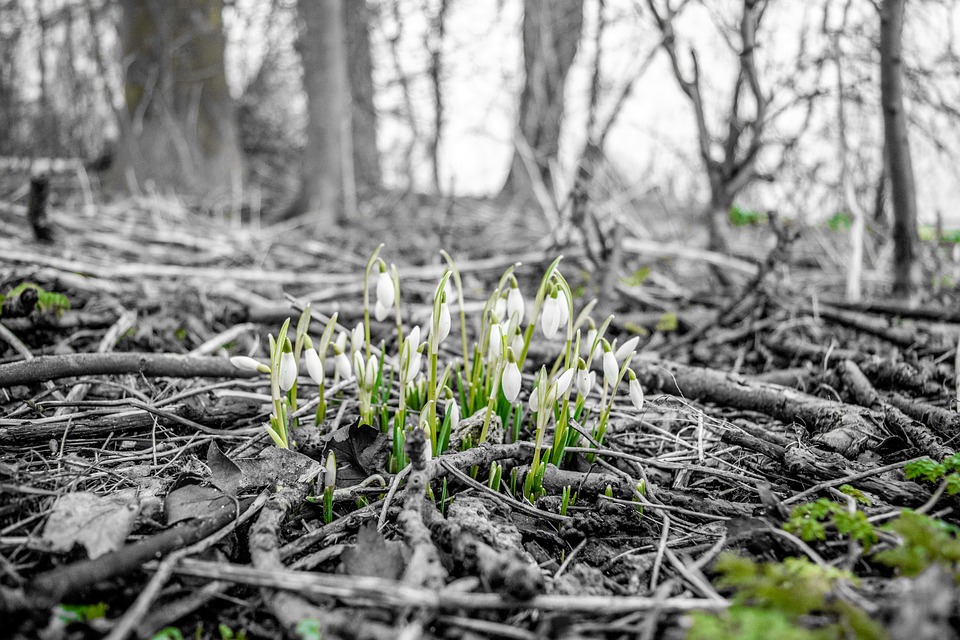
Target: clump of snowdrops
x: 425, y: 386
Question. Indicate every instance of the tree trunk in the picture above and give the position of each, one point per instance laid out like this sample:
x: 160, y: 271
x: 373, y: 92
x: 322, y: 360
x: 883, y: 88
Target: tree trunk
x: 551, y: 36
x: 902, y: 187
x: 366, y: 158
x: 179, y: 130
x: 327, y: 176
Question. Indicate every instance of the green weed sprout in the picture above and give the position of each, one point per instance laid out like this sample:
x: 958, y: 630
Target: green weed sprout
x: 947, y: 471
x: 924, y: 541
x: 809, y: 521
x: 773, y: 600
x: 567, y: 499
x: 495, y: 476
x: 46, y: 300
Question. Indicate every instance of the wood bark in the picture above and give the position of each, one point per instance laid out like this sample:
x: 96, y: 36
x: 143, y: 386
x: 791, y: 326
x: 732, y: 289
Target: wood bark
x: 551, y: 37
x: 327, y: 173
x: 902, y: 186
x: 366, y: 158
x: 179, y: 129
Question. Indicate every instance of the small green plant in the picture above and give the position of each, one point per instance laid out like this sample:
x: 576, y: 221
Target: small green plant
x: 924, y: 541
x: 740, y: 217
x: 46, y: 300
x: 226, y: 633
x: 309, y: 630
x: 567, y: 499
x: 68, y: 613
x: 947, y: 471
x: 168, y: 633
x: 809, y: 521
x: 840, y: 221
x: 775, y: 600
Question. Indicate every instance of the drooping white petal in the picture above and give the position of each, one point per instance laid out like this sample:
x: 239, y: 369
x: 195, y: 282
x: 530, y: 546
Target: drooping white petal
x: 630, y: 346
x: 534, y: 400
x: 414, y: 336
x: 288, y: 371
x: 550, y: 317
x: 583, y: 382
x: 515, y: 306
x: 564, y: 307
x: 587, y: 343
x: 358, y: 366
x: 386, y: 294
x: 380, y: 311
x: 245, y: 363
x: 517, y: 343
x: 330, y: 471
x: 564, y: 381
x: 495, y: 348
x: 444, y: 324
x: 342, y: 364
x: 357, y: 337
x: 314, y: 365
x: 610, y: 368
x: 415, y: 359
x: 500, y: 310
x: 341, y: 341
x: 454, y: 410
x: 370, y: 372
x: 636, y: 394
x: 511, y: 382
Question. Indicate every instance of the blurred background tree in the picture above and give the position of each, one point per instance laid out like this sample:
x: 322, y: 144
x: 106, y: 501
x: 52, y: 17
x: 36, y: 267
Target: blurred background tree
x: 320, y: 108
x: 178, y: 131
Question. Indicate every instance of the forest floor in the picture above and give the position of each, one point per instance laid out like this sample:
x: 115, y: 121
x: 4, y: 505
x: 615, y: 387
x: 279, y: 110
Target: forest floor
x: 790, y: 472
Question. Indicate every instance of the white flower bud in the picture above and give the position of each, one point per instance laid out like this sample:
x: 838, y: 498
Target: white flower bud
x: 288, y: 371
x: 511, y: 382
x: 370, y: 372
x: 380, y: 311
x: 550, y: 317
x: 342, y: 364
x: 443, y: 323
x: 534, y: 400
x: 563, y: 306
x: 386, y: 294
x: 314, y: 365
x: 517, y: 343
x: 515, y: 306
x: 627, y: 348
x: 341, y: 341
x: 500, y: 310
x: 454, y: 410
x: 610, y: 368
x: 636, y: 392
x: 357, y: 338
x: 330, y: 471
x: 584, y: 384
x: 245, y: 363
x: 495, y: 348
x: 564, y: 382
x: 358, y: 366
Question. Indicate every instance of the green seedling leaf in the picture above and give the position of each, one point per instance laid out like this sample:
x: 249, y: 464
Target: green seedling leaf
x: 856, y: 494
x: 924, y: 469
x: 68, y: 613
x: 667, y: 322
x: 636, y: 278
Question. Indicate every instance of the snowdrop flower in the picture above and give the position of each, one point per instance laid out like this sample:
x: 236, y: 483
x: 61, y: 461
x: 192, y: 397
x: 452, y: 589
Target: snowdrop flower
x: 500, y: 309
x: 410, y: 356
x: 246, y: 363
x: 341, y: 342
x: 585, y: 381
x: 342, y: 363
x: 380, y: 311
x: 386, y: 294
x: 443, y: 323
x: 517, y: 343
x: 515, y: 304
x: 610, y: 368
x: 636, y: 392
x: 358, y: 366
x: 370, y: 372
x: 564, y: 381
x: 534, y: 400
x: 550, y: 317
x: 357, y: 337
x: 511, y: 379
x: 454, y: 410
x: 628, y: 347
x: 330, y: 471
x: 288, y: 370
x: 495, y: 348
x: 314, y: 365
x: 564, y: 306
